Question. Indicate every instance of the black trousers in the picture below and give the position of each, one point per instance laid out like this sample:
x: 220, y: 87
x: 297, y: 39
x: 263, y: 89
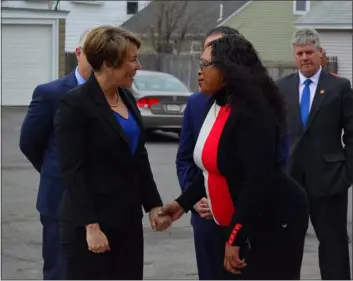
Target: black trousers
x: 328, y: 216
x: 123, y: 262
x: 275, y: 253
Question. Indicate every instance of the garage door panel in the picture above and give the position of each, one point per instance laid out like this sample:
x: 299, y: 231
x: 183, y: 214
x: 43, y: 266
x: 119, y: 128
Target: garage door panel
x: 26, y: 61
x: 339, y: 43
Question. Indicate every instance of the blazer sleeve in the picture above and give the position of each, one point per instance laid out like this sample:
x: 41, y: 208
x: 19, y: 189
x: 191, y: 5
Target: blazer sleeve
x: 147, y: 185
x: 258, y: 166
x: 284, y: 146
x: 70, y: 133
x: 194, y: 193
x: 347, y: 117
x: 185, y: 165
x: 36, y: 127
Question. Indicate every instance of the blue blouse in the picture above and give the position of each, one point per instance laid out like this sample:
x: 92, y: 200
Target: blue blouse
x: 131, y: 129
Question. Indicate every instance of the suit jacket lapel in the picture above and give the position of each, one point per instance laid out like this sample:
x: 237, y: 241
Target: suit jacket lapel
x: 103, y: 107
x: 293, y: 100
x: 70, y: 81
x: 318, y: 99
x: 131, y: 107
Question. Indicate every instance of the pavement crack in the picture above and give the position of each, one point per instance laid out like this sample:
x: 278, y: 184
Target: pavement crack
x: 17, y: 258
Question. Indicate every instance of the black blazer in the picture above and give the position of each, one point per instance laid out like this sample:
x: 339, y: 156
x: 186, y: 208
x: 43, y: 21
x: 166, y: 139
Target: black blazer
x: 104, y: 182
x: 248, y: 158
x: 318, y: 159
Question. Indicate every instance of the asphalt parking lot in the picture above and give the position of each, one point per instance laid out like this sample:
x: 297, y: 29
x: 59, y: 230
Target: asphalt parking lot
x: 168, y: 255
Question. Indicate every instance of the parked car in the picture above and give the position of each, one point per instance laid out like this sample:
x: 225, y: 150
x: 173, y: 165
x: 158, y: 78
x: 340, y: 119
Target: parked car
x: 161, y: 98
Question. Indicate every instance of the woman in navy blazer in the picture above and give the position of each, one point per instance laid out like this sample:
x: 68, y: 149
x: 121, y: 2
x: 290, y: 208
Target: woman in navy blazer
x: 104, y: 165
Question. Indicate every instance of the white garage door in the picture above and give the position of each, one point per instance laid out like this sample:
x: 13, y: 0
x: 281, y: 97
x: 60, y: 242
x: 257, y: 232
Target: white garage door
x: 27, y: 56
x: 339, y: 43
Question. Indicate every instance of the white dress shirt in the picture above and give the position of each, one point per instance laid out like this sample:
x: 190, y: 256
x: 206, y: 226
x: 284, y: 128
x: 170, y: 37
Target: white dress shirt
x: 313, y: 85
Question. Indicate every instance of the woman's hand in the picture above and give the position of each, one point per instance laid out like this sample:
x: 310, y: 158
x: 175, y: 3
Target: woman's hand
x: 172, y: 209
x: 159, y: 223
x: 232, y: 261
x: 96, y: 240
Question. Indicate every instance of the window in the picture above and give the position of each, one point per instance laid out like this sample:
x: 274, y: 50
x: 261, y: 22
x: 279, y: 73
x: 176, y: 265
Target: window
x: 300, y: 7
x: 132, y: 7
x: 195, y: 47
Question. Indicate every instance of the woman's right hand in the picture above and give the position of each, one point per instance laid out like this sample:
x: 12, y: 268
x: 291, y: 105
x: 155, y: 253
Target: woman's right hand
x: 96, y: 240
x: 172, y: 209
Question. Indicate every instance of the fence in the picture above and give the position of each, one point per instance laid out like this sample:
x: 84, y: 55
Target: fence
x: 185, y: 67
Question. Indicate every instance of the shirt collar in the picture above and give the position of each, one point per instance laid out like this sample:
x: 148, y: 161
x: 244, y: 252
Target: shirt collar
x: 314, y: 79
x: 79, y: 78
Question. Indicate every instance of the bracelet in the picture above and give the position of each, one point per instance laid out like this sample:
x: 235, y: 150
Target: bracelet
x: 234, y: 234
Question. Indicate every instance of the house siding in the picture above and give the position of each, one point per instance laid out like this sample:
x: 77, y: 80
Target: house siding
x: 339, y: 43
x: 269, y: 25
x: 82, y: 16
x: 62, y: 33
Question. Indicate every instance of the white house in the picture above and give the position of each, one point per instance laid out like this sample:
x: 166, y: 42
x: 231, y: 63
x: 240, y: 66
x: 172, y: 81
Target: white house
x: 32, y: 48
x: 333, y: 21
x: 84, y: 14
x: 35, y: 37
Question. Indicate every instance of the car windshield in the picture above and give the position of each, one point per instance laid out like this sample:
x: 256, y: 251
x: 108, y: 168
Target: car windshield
x: 159, y: 83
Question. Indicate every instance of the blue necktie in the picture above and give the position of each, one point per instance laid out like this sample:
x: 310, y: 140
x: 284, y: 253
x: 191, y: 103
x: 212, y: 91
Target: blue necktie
x: 305, y: 102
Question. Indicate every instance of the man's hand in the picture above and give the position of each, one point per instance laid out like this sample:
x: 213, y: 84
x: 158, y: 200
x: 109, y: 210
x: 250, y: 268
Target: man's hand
x: 203, y: 209
x: 159, y: 223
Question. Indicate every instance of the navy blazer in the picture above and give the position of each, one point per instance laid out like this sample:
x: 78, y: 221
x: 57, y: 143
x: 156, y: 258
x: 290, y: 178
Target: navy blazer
x: 193, y: 119
x: 38, y: 144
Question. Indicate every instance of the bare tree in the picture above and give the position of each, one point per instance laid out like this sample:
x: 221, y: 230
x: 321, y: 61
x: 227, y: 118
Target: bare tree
x: 171, y: 26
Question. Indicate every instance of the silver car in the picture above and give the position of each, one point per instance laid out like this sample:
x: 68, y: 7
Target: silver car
x: 161, y: 98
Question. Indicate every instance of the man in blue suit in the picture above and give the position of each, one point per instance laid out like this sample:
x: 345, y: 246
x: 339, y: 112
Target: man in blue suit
x: 38, y: 144
x: 201, y: 218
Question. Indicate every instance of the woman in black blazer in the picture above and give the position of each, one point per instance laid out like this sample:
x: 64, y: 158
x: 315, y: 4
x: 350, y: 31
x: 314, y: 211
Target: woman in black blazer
x: 104, y: 163
x: 262, y: 215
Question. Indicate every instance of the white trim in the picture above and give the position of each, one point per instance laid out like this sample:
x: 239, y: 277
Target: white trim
x: 300, y: 13
x: 28, y: 14
x: 54, y: 23
x: 324, y: 26
x: 235, y: 13
x: 88, y: 2
x: 55, y: 49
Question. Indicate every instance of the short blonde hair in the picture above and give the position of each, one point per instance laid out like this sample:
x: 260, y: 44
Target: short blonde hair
x: 83, y: 37
x: 108, y: 44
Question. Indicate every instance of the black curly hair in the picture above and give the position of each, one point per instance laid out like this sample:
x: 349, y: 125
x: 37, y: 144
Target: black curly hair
x: 246, y: 79
x: 223, y: 30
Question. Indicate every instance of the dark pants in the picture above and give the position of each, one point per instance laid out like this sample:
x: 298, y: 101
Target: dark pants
x: 276, y: 253
x: 204, y: 235
x: 53, y: 266
x: 328, y: 215
x: 123, y: 262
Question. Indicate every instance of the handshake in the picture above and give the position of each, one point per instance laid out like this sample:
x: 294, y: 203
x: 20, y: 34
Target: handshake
x: 161, y: 218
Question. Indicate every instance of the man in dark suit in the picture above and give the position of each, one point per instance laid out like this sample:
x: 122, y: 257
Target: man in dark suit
x: 320, y: 106
x: 204, y: 227
x: 38, y: 144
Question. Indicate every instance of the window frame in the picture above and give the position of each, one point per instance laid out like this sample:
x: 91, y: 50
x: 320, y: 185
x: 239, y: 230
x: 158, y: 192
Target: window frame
x: 307, y: 8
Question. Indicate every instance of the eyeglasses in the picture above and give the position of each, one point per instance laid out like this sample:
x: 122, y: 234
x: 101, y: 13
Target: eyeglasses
x: 204, y: 64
